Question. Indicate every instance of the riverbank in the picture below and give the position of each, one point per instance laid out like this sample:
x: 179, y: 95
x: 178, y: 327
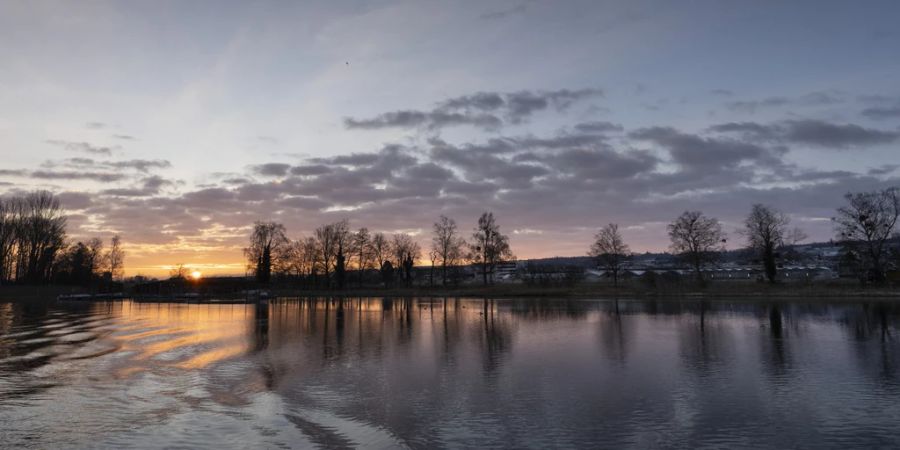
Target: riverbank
x: 593, y: 291
x: 713, y: 291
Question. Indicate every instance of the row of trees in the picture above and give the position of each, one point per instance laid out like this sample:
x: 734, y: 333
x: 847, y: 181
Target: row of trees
x: 34, y: 248
x: 334, y: 249
x: 863, y: 227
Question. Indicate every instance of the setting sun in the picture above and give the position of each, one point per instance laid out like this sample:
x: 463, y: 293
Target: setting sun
x: 196, y: 274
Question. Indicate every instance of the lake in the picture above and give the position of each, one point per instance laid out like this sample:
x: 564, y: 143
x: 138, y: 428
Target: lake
x: 423, y: 373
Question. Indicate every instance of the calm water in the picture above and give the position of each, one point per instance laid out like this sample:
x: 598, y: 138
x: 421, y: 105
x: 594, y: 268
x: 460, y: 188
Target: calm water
x: 425, y: 374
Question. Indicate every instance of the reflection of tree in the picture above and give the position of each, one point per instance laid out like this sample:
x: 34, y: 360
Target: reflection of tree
x: 613, y: 337
x: 779, y: 356
x: 261, y: 343
x: 406, y: 323
x: 497, y: 336
x: 701, y: 341
x: 326, y: 349
x: 871, y: 326
x: 261, y: 327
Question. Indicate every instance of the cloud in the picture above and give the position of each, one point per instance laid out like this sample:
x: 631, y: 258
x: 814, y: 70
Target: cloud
x: 430, y: 120
x: 272, y: 169
x: 140, y: 165
x: 75, y: 200
x: 310, y: 170
x: 598, y: 127
x: 811, y: 99
x: 124, y: 137
x: 824, y: 134
x: 810, y: 132
x: 557, y: 184
x: 151, y: 185
x: 694, y: 152
x: 84, y: 147
x: 503, y: 13
x: 884, y: 169
x: 562, y: 183
x: 484, y: 110
x: 102, y: 177
x: 95, y: 125
x: 879, y: 113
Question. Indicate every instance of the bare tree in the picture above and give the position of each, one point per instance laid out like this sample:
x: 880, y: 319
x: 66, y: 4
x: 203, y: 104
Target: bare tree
x: 294, y: 259
x: 380, y: 249
x: 610, y: 250
x: 363, y: 249
x: 311, y: 261
x: 489, y: 246
x: 697, y: 238
x: 406, y: 253
x: 40, y: 235
x: 447, y: 244
x: 433, y: 257
x: 766, y: 230
x: 8, y: 236
x: 331, y: 240
x: 267, y: 250
x: 866, y: 223
x: 115, y: 258
x: 96, y: 257
x: 179, y: 272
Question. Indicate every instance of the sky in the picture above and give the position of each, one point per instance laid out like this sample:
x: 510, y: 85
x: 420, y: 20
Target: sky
x: 179, y: 124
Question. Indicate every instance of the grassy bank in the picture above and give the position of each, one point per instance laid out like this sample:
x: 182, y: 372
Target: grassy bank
x: 713, y: 291
x: 586, y: 291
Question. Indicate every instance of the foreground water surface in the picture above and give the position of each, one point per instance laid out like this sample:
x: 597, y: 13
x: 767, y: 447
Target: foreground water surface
x: 424, y: 373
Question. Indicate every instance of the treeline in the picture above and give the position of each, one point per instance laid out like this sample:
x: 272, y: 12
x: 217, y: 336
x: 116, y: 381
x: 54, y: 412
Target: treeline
x: 334, y: 251
x: 34, y: 248
x: 863, y: 227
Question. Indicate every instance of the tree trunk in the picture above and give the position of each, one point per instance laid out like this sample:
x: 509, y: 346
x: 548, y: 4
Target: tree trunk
x: 769, y: 263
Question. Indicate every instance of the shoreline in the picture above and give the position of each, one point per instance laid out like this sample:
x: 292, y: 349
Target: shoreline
x: 712, y: 292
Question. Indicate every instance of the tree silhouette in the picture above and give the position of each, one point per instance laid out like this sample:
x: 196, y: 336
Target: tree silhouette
x: 866, y: 223
x: 697, y: 238
x: 330, y: 239
x: 115, y: 258
x: 489, y: 246
x: 766, y: 230
x: 610, y: 250
x: 269, y: 246
x: 446, y: 245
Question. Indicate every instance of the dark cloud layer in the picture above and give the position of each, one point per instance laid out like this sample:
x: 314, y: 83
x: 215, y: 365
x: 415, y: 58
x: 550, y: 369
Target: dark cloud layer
x: 101, y: 177
x: 817, y: 133
x: 879, y: 113
x: 140, y: 165
x: 84, y: 147
x: 811, y: 99
x: 587, y: 173
x: 484, y: 110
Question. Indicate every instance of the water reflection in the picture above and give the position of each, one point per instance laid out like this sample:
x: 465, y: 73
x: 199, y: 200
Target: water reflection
x: 450, y: 372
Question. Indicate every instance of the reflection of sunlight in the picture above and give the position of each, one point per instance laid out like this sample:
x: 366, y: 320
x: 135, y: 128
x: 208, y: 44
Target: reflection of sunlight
x: 182, y: 336
x: 204, y: 359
